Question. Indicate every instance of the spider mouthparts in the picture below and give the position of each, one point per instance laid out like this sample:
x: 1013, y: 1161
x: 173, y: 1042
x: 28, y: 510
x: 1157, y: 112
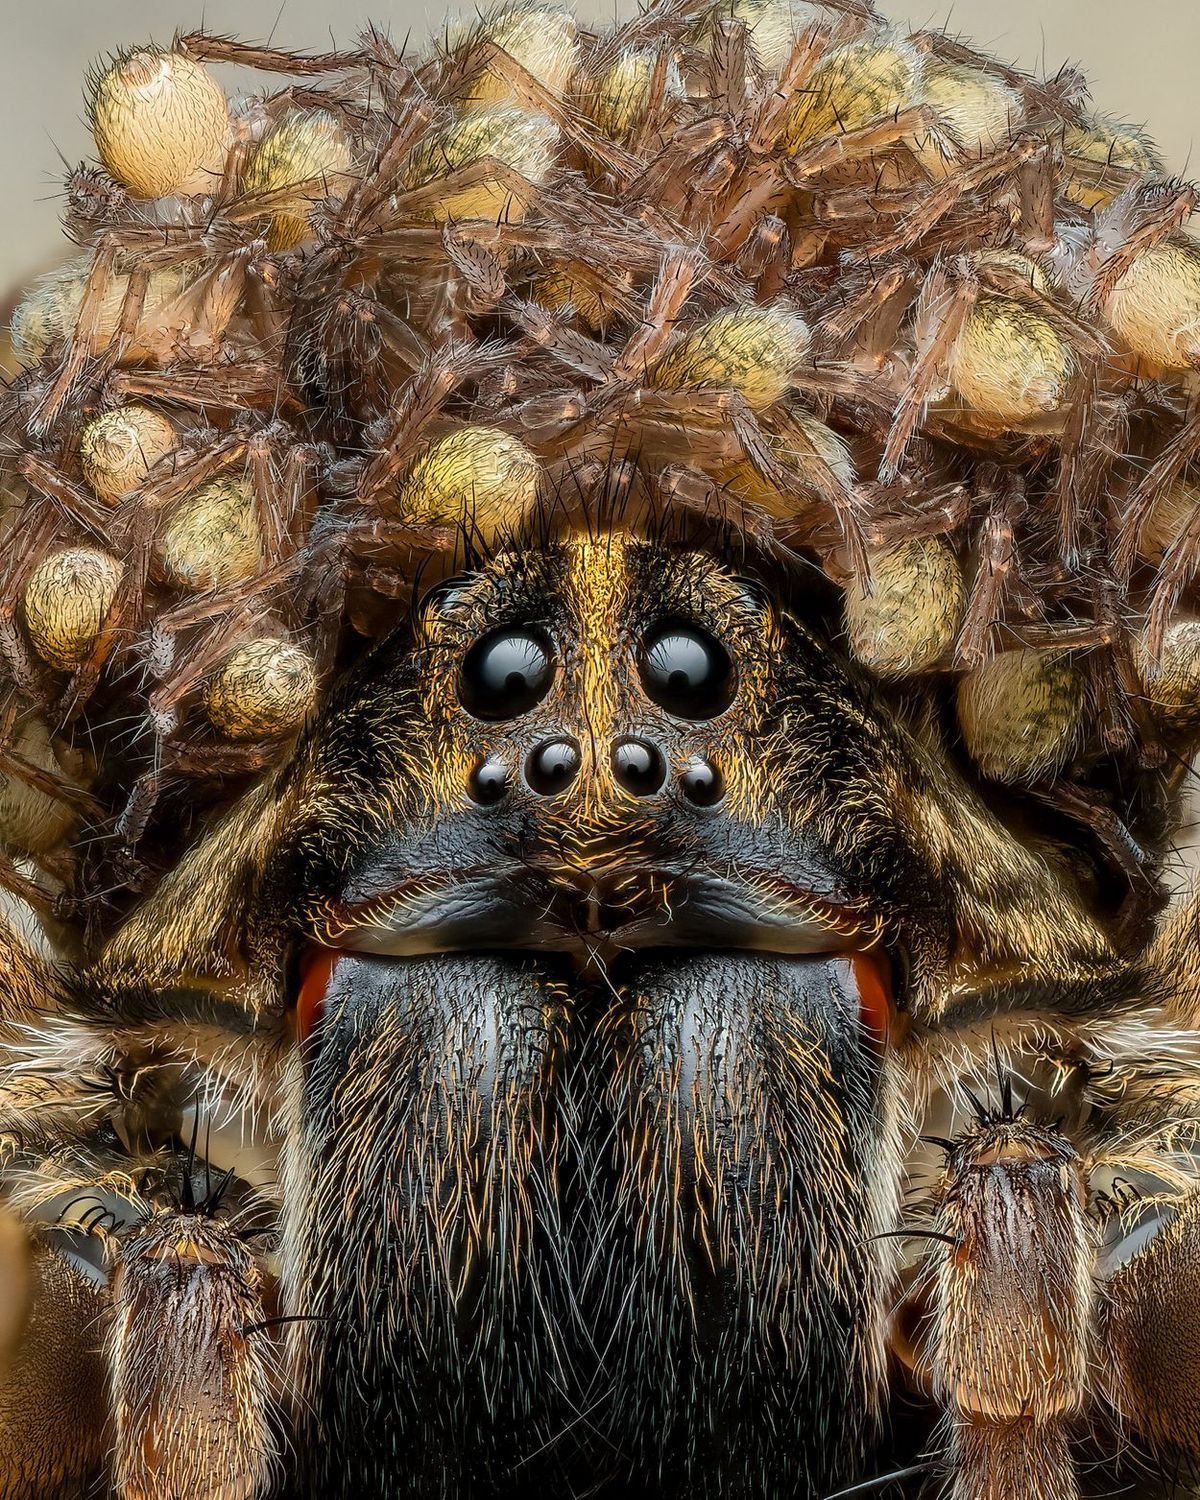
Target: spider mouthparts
x: 582, y: 912
x: 594, y: 920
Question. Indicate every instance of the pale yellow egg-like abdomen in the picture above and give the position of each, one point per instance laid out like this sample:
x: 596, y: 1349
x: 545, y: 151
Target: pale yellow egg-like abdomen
x: 66, y: 600
x: 161, y: 123
x: 265, y: 688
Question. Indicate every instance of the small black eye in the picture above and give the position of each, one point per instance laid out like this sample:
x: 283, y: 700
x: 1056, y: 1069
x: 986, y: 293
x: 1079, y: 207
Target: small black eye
x: 439, y: 596
x: 488, y: 781
x: 702, y: 783
x: 505, y: 673
x: 687, y: 671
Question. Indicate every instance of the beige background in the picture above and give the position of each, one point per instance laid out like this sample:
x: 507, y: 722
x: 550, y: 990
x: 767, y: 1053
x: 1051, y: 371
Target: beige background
x: 1141, y: 55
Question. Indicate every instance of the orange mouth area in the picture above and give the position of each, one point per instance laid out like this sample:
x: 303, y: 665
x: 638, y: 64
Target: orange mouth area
x: 869, y: 974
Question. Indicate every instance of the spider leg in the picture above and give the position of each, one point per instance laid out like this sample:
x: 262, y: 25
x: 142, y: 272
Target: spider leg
x: 158, y: 1349
x: 191, y: 1363
x: 942, y: 307
x: 53, y: 1397
x: 1149, y: 1322
x: 170, y: 1330
x: 171, y: 1320
x: 1148, y: 1314
x: 1011, y: 1308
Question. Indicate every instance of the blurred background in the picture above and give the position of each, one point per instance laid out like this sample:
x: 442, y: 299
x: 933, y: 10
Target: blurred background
x: 1141, y: 59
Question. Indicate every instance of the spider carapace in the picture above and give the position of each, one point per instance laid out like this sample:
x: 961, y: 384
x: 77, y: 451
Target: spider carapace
x: 681, y: 1083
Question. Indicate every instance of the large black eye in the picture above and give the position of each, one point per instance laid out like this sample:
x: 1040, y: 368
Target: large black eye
x: 687, y: 671
x: 505, y: 673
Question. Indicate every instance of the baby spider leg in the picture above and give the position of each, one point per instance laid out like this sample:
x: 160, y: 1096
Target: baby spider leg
x: 147, y: 1360
x: 942, y: 308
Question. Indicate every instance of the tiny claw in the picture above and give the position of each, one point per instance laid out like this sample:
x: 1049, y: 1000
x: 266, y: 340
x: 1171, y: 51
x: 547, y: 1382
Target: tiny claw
x: 918, y: 1234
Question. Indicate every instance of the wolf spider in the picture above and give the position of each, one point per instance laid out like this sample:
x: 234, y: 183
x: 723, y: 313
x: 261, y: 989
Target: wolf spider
x: 620, y: 1046
x: 564, y: 1028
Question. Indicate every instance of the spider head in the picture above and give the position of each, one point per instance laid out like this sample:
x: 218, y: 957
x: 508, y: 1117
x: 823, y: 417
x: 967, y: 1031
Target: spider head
x: 593, y: 748
x: 606, y: 744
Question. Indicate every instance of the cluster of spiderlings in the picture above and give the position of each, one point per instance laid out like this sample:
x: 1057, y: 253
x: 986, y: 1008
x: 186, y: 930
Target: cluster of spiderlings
x: 877, y: 299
